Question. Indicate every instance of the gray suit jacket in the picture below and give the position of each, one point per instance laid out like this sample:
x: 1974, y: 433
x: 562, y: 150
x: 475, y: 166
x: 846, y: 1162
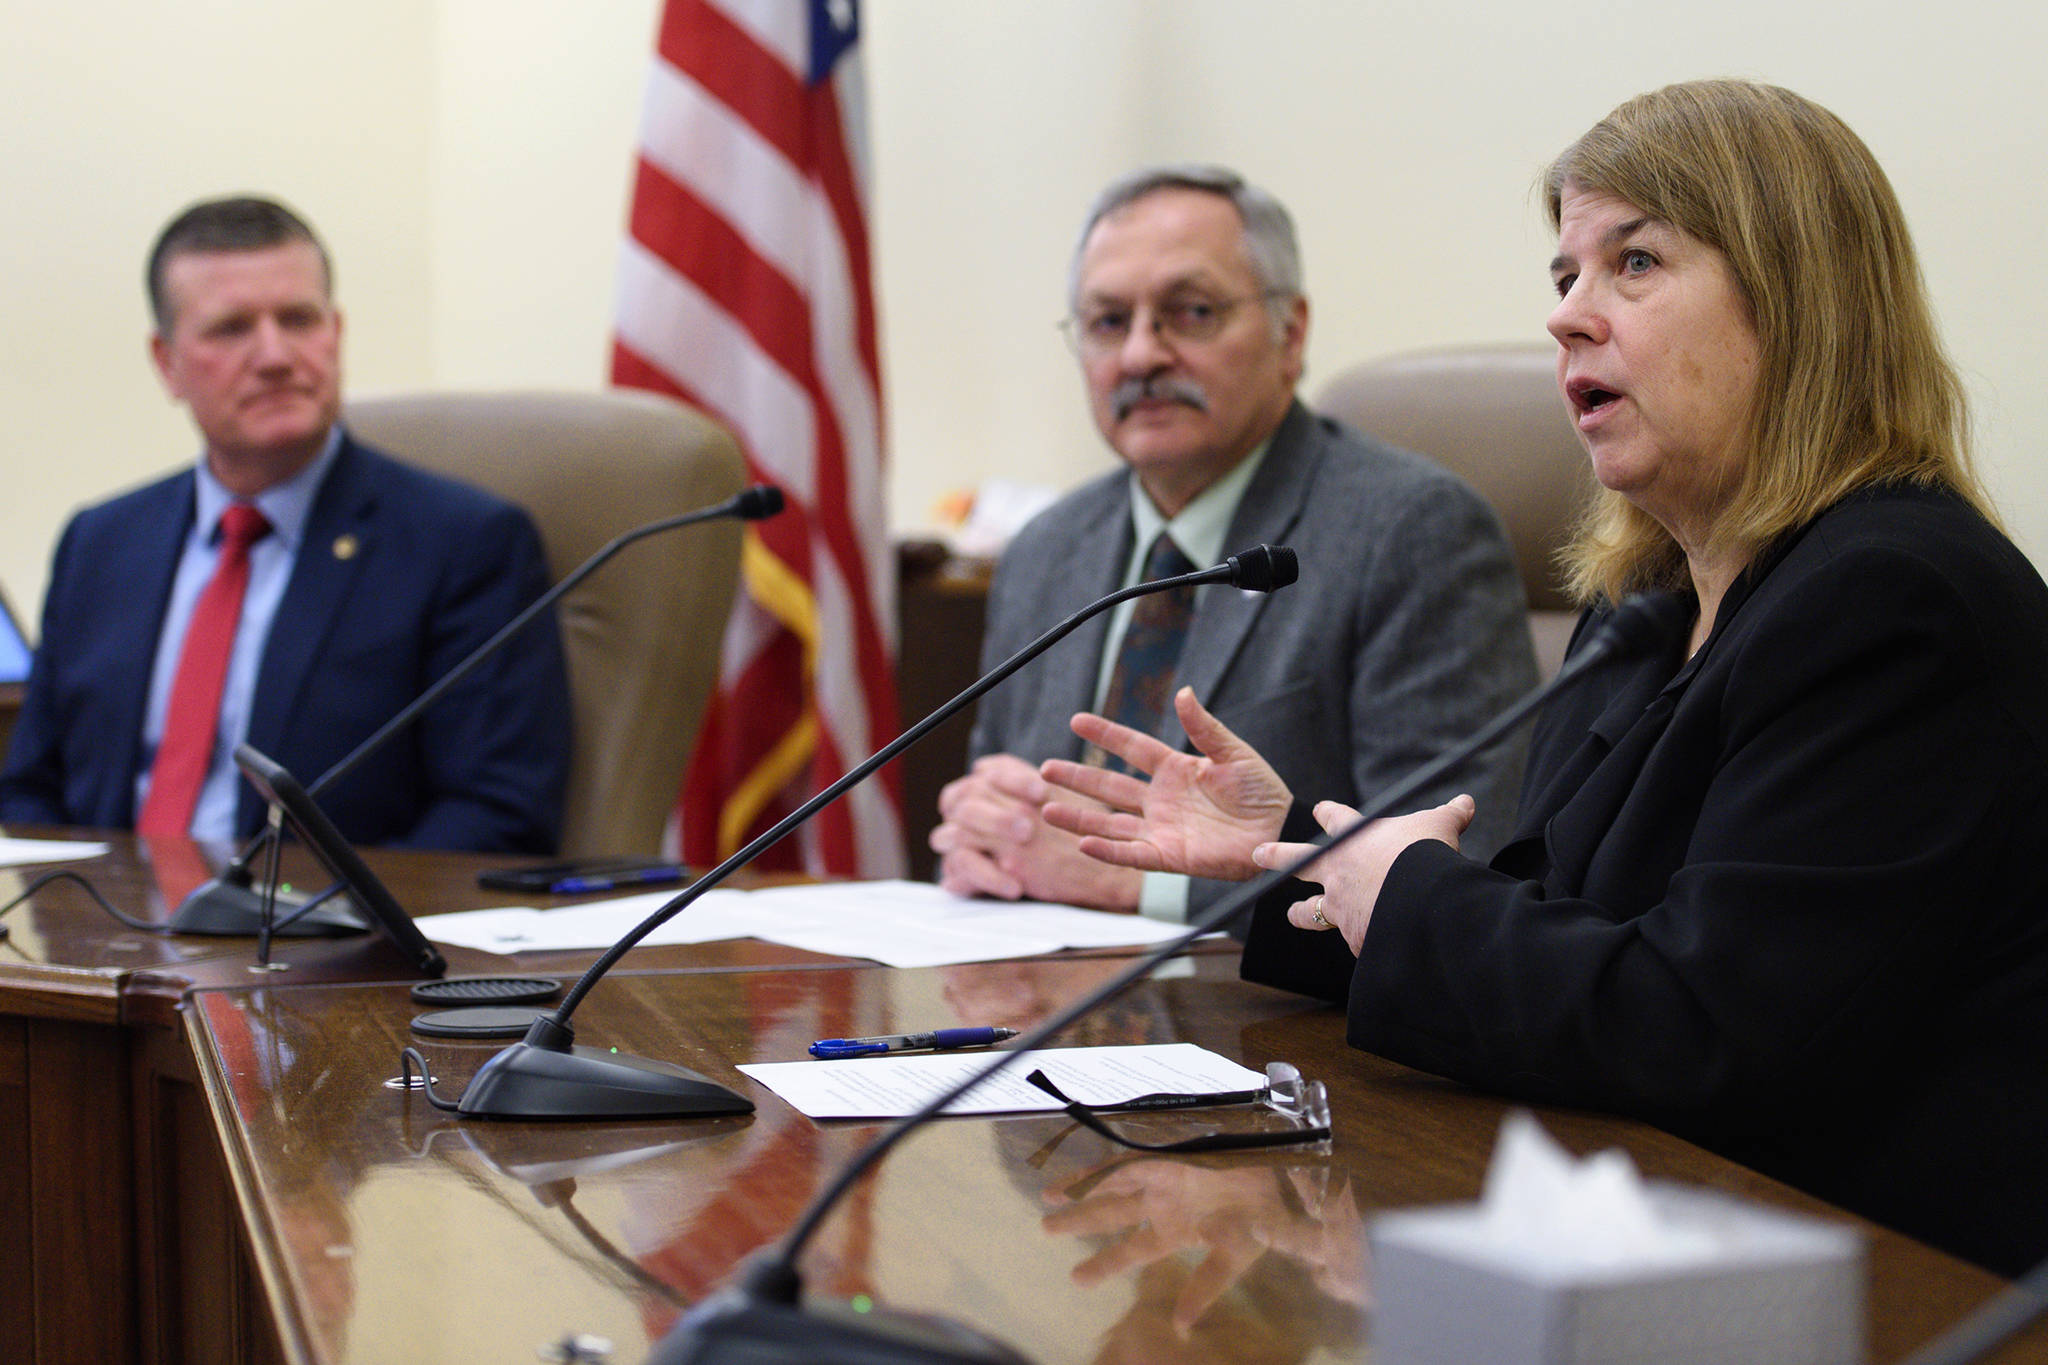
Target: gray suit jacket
x: 1407, y: 631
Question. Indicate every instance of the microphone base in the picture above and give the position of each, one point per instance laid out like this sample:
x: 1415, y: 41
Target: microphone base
x: 235, y: 909
x: 529, y: 1082
x: 737, y: 1328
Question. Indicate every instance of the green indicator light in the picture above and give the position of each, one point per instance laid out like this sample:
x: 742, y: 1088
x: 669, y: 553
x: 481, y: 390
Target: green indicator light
x: 615, y: 1052
x: 861, y: 1303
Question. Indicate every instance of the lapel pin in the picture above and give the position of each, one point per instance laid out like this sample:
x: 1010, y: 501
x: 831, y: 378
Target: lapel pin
x: 345, y: 547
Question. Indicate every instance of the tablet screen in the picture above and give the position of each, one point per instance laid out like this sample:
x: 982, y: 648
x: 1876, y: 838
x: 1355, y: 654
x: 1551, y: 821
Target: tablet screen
x: 14, y: 651
x: 339, y: 857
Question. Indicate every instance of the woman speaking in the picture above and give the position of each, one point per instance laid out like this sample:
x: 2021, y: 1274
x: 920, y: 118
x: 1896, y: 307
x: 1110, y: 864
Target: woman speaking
x: 1781, y: 887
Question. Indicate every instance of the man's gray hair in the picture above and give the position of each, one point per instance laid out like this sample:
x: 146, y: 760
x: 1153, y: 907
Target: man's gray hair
x: 1270, y: 247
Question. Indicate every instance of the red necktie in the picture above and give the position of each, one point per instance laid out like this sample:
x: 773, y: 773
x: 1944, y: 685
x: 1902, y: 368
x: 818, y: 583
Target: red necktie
x: 193, y: 716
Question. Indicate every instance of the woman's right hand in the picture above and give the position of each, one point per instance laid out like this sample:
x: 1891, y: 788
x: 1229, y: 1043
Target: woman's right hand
x: 1200, y: 814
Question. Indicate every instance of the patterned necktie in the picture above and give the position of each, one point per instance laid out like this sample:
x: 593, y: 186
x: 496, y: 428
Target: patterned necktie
x: 1145, y: 666
x: 193, y: 717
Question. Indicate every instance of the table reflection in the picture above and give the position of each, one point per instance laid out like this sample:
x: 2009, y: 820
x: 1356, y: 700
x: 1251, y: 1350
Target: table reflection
x: 1229, y: 1257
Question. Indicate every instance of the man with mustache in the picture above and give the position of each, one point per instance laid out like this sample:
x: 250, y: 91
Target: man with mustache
x: 1407, y: 630
x: 295, y: 589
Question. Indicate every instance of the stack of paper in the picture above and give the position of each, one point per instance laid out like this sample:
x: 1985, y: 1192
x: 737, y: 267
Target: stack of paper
x: 902, y: 924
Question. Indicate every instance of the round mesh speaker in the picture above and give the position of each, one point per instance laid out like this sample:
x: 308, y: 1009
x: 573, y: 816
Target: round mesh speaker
x: 487, y: 990
x: 478, y: 1021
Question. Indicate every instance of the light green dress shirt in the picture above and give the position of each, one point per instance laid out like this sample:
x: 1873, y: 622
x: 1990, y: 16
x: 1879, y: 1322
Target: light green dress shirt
x: 1199, y: 530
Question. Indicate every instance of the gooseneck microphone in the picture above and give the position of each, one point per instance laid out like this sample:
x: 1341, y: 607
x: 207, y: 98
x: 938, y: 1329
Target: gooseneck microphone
x: 1994, y: 1322
x: 762, y: 1319
x: 230, y: 903
x: 546, y: 1075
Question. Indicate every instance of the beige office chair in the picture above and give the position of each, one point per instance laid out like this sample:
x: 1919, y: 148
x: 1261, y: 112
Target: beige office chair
x: 1491, y: 414
x: 642, y: 633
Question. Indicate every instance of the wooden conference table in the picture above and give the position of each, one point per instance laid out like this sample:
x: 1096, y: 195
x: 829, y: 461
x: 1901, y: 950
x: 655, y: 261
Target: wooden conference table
x: 119, y: 1235
x: 382, y: 1229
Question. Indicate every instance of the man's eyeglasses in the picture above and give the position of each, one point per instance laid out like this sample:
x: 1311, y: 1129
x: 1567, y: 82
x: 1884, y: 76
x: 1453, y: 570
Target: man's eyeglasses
x: 1101, y: 329
x: 1305, y: 1104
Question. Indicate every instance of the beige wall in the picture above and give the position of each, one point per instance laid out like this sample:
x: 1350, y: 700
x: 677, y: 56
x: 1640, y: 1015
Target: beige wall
x: 468, y: 162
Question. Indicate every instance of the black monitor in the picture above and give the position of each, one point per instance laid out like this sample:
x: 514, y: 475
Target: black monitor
x: 339, y: 857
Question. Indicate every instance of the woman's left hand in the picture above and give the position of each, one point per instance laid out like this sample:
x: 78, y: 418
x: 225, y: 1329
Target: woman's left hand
x: 1352, y: 875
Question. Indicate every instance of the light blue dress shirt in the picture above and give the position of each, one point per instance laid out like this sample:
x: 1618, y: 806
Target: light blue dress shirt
x: 286, y: 506
x: 1198, y: 529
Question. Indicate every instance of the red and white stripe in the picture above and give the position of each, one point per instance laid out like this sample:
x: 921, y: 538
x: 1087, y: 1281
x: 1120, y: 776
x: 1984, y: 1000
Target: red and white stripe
x: 744, y: 289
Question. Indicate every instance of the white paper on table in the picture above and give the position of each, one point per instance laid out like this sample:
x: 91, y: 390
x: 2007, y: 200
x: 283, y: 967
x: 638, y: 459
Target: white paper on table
x: 597, y: 924
x: 916, y: 924
x: 902, y: 924
x: 14, y: 852
x: 891, y: 1087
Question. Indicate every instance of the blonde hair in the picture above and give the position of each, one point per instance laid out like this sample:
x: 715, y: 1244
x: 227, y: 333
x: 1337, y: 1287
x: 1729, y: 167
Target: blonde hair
x: 1854, y: 388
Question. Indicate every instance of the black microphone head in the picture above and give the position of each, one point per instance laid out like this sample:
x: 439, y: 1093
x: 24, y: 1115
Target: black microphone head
x: 1264, y: 568
x: 762, y: 500
x: 1644, y: 621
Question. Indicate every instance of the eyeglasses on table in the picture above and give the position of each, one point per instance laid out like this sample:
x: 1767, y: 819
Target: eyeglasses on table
x: 1304, y: 1104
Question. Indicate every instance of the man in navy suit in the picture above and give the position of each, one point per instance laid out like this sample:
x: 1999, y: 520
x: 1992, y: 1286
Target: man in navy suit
x: 370, y: 581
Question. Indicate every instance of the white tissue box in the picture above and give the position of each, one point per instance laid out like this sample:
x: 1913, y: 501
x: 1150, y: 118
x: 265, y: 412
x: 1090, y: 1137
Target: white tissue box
x: 1775, y: 1289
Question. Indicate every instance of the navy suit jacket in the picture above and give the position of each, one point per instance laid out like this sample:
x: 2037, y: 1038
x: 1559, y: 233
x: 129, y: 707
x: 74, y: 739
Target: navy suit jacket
x: 1786, y: 897
x: 401, y: 573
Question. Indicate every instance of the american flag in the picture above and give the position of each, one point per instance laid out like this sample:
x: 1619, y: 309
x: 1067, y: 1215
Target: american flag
x: 744, y: 290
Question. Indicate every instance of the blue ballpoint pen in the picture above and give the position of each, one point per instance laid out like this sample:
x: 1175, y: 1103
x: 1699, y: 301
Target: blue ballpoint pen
x: 612, y: 881
x: 832, y: 1049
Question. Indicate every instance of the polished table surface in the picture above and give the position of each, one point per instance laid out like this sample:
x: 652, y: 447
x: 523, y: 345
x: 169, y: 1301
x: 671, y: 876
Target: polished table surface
x: 118, y: 1237
x: 385, y: 1229
x: 65, y: 957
